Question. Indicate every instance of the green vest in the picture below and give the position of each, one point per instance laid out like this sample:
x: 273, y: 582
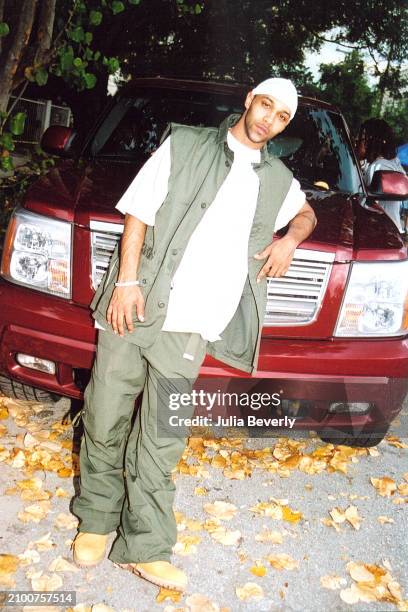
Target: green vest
x: 200, y: 162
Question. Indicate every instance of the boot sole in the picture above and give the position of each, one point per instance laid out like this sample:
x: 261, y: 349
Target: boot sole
x: 86, y: 563
x: 152, y: 579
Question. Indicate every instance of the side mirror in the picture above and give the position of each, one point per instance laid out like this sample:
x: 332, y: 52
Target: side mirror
x: 389, y: 185
x: 57, y: 140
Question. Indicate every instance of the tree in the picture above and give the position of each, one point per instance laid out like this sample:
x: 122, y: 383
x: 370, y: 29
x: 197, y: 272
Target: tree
x: 37, y: 40
x: 346, y: 85
x: 378, y: 28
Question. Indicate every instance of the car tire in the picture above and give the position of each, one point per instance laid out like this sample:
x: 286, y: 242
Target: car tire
x: 20, y: 391
x: 362, y: 439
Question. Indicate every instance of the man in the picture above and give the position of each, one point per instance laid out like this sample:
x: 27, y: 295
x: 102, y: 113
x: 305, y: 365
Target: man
x: 190, y: 279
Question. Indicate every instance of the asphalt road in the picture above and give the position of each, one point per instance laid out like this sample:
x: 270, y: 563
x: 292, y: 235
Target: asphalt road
x: 215, y: 570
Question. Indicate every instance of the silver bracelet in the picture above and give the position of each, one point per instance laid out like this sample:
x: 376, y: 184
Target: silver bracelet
x: 127, y: 283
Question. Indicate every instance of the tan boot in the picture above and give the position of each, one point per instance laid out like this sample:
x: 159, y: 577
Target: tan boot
x: 89, y: 548
x: 161, y: 573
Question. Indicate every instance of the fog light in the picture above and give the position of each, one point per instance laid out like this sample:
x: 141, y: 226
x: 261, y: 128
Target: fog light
x: 352, y: 407
x: 35, y: 363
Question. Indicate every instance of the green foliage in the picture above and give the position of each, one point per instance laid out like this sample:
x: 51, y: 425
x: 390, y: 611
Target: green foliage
x: 346, y: 86
x: 117, y: 7
x: 4, y: 29
x: 41, y: 76
x: 95, y: 18
x: 17, y: 124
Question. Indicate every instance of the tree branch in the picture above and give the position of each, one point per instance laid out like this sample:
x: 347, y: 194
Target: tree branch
x: 12, y: 60
x: 45, y: 28
x: 2, y: 3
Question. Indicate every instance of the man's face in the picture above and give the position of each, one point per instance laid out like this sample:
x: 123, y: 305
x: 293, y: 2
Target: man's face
x: 265, y: 118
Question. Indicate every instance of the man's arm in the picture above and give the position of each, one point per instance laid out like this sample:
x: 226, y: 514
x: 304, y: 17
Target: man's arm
x: 125, y: 298
x: 280, y: 253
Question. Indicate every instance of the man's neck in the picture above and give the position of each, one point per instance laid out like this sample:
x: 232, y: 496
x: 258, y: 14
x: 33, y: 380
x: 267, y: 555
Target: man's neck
x: 238, y: 131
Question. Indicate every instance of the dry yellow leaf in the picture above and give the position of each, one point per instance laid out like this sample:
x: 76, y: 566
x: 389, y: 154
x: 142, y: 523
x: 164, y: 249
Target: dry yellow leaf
x: 291, y: 516
x: 236, y: 473
x: 283, y: 561
x: 32, y: 484
x: 337, y: 515
x: 221, y: 510
x: 258, y: 570
x: 186, y: 545
x: 43, y: 543
x: 275, y: 537
x: 395, y: 441
x: 385, y: 519
x: 211, y: 525
x: 62, y: 565
x: 65, y: 472
x: 60, y: 492
x: 360, y: 572
x: 165, y: 594
x: 270, y: 509
x: 8, y: 564
x: 35, y: 512
x: 332, y: 581
x: 46, y: 583
x: 250, y: 590
x: 385, y: 486
x: 3, y: 430
x: 403, y: 488
x: 36, y: 495
x: 200, y: 491
x: 4, y: 413
x: 226, y: 537
x: 65, y: 521
x: 400, y: 500
x: 201, y: 603
x: 353, y: 517
x: 350, y: 596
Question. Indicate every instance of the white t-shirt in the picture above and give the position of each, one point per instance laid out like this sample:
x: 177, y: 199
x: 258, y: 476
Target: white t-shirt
x: 215, y: 262
x: 391, y: 207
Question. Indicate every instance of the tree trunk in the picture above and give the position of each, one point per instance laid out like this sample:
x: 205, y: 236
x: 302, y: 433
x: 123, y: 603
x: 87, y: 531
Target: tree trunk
x: 2, y: 3
x: 19, y: 42
x: 45, y: 29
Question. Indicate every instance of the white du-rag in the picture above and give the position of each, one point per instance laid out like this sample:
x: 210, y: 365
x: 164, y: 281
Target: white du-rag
x: 281, y: 89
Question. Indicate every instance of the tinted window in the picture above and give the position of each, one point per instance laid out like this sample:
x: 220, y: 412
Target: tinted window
x: 314, y: 145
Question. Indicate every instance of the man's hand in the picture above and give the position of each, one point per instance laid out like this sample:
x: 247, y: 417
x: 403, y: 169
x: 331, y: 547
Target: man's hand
x: 279, y: 256
x: 121, y: 306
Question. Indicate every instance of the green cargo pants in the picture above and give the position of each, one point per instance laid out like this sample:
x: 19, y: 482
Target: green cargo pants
x: 125, y: 474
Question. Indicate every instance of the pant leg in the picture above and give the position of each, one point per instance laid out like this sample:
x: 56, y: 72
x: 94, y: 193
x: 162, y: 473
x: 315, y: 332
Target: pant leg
x: 118, y: 376
x: 148, y: 529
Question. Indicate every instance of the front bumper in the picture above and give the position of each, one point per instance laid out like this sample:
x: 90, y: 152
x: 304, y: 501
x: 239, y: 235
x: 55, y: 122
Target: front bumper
x: 318, y: 372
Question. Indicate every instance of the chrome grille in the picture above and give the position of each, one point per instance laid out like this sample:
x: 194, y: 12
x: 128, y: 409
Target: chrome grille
x: 104, y: 237
x: 294, y: 299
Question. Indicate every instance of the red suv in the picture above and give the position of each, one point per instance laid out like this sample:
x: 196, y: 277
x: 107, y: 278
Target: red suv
x: 335, y: 337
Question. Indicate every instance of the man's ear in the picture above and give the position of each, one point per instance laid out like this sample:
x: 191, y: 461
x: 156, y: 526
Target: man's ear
x: 248, y: 99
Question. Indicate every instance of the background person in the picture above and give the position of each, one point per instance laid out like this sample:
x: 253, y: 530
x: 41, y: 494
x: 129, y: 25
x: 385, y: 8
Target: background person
x: 376, y: 149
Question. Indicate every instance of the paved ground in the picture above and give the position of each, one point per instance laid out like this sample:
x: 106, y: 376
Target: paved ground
x: 216, y: 569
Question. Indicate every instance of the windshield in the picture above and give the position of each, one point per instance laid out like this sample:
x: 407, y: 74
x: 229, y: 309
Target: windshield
x: 314, y: 146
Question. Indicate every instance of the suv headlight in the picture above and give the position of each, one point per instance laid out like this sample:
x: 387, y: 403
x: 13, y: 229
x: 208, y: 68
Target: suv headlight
x: 37, y: 253
x: 376, y: 300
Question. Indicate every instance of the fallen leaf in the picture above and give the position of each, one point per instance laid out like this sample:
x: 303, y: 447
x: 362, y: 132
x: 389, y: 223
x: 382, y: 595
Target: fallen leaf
x: 62, y: 565
x: 35, y: 512
x: 395, y: 441
x: 258, y: 570
x: 201, y: 603
x: 275, y: 537
x: 66, y: 521
x: 332, y: 581
x: 283, y: 561
x: 200, y: 491
x: 8, y: 563
x: 29, y: 556
x: 291, y: 516
x: 353, y: 517
x: 43, y: 543
x: 350, y: 596
x: 403, y: 488
x: 46, y: 583
x: 186, y: 545
x: 385, y: 486
x: 384, y: 519
x: 221, y: 510
x: 165, y: 594
x: 250, y: 590
x: 226, y: 537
